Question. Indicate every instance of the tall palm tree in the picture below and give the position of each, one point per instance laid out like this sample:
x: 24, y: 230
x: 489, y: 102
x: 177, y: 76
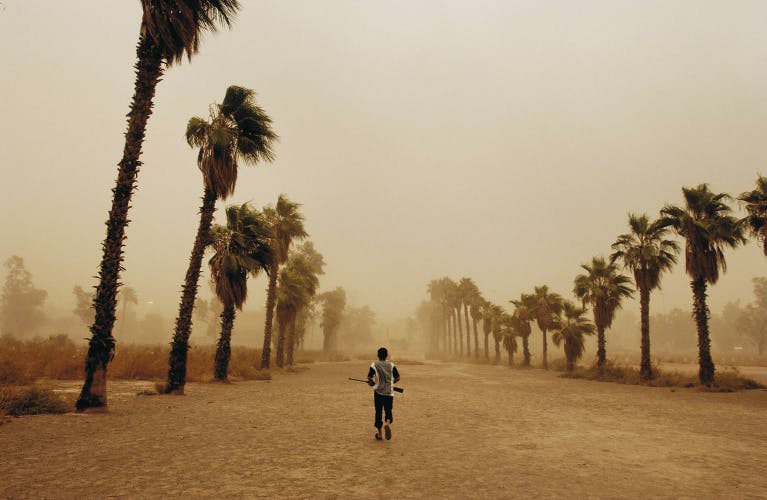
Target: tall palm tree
x: 604, y: 288
x: 524, y: 311
x: 708, y: 228
x: 509, y: 332
x: 237, y: 130
x: 333, y: 305
x: 287, y: 225
x: 167, y: 34
x: 468, y: 291
x: 546, y: 307
x: 438, y: 294
x: 496, y: 321
x: 756, y: 206
x: 647, y: 252
x: 572, y: 330
x: 242, y: 248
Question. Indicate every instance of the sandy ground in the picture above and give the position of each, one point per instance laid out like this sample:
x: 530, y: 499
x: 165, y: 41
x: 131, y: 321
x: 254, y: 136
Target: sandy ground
x: 461, y: 431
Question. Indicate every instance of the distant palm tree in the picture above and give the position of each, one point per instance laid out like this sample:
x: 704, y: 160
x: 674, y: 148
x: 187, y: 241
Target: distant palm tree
x: 242, y: 248
x: 546, y: 307
x: 333, y: 305
x: 604, y: 289
x: 167, y: 34
x: 237, y: 130
x: 756, y: 206
x: 708, y: 228
x: 307, y: 271
x: 524, y: 311
x: 297, y: 285
x: 436, y: 292
x: 468, y: 291
x: 487, y: 325
x: 571, y: 330
x: 497, y: 314
x: 127, y: 295
x: 647, y: 252
x: 475, y: 308
x: 509, y: 331
x: 287, y: 225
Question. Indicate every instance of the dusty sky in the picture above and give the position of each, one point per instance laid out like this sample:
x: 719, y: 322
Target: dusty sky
x: 501, y: 140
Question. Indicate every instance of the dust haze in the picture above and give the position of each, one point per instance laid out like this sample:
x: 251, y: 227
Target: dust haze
x: 502, y: 141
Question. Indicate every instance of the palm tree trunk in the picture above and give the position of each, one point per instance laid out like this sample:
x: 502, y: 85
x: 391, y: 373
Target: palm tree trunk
x: 279, y: 356
x: 497, y: 350
x: 291, y: 338
x: 270, y: 300
x: 601, y: 351
x: 180, y: 345
x: 101, y: 345
x: 468, y: 334
x: 476, y: 339
x: 526, y: 350
x: 645, y: 368
x: 545, y: 363
x: 457, y: 313
x: 223, y: 347
x: 570, y: 363
x: 487, y: 347
x: 511, y: 353
x: 700, y: 311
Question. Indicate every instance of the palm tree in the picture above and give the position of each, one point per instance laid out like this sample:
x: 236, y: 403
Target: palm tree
x: 333, y: 305
x: 298, y: 284
x: 509, y: 333
x: 238, y: 130
x: 496, y: 320
x: 647, y: 252
x: 309, y: 268
x: 604, y: 289
x: 756, y: 206
x: 487, y: 325
x: 524, y: 312
x: 438, y: 294
x: 127, y: 295
x: 475, y: 308
x: 167, y: 34
x: 546, y: 307
x: 468, y: 291
x: 242, y: 247
x: 708, y: 228
x: 287, y: 224
x: 572, y: 330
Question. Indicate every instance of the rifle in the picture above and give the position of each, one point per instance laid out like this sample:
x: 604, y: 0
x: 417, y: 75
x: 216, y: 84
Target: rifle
x: 396, y: 389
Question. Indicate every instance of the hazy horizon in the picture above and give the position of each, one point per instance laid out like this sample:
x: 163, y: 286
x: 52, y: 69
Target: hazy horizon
x: 503, y: 141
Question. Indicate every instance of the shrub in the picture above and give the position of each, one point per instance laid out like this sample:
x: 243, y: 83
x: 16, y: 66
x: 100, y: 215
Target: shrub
x: 32, y: 400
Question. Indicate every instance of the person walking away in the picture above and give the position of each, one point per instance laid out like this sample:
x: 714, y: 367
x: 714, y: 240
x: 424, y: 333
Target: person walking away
x: 382, y: 376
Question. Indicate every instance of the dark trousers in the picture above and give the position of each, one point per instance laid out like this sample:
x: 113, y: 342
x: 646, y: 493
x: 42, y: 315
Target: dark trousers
x: 383, y: 403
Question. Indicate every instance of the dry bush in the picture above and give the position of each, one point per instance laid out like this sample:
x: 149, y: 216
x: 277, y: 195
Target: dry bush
x: 31, y: 400
x: 56, y: 357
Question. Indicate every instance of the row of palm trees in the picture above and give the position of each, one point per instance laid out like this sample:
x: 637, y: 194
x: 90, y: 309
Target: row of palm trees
x: 708, y: 227
x: 237, y: 130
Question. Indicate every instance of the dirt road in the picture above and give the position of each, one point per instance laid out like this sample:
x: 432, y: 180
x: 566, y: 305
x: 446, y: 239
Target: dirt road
x: 461, y: 431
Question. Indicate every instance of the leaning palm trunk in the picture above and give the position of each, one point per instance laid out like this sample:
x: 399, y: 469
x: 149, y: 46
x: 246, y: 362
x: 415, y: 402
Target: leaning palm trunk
x: 700, y: 310
x: 476, y: 341
x: 645, y: 368
x: 270, y: 300
x: 545, y: 363
x: 601, y: 342
x: 101, y: 345
x: 291, y: 338
x: 468, y: 334
x: 223, y: 347
x: 180, y: 345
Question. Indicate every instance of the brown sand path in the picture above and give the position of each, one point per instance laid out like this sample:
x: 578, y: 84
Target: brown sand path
x: 461, y: 431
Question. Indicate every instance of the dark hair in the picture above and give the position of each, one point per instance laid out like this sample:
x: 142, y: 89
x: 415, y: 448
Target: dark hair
x: 383, y: 353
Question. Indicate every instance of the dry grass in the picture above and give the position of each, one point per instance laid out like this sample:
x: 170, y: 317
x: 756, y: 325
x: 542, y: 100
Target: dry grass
x: 726, y: 380
x: 58, y: 357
